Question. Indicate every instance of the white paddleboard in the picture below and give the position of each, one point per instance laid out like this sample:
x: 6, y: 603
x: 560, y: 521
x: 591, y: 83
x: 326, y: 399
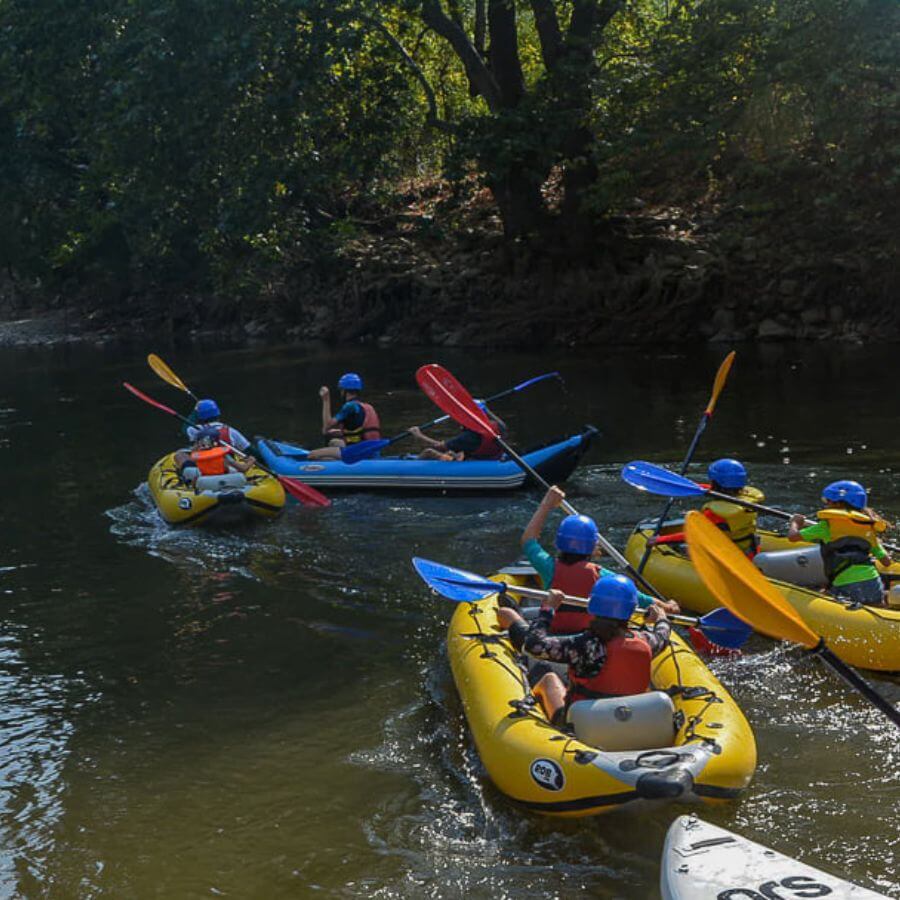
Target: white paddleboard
x: 704, y: 862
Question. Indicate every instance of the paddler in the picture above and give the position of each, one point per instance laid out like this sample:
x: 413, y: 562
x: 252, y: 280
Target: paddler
x: 467, y: 444
x: 727, y: 476
x: 606, y: 659
x: 355, y: 421
x: 572, y: 570
x: 206, y: 415
x: 209, y: 456
x: 847, y: 530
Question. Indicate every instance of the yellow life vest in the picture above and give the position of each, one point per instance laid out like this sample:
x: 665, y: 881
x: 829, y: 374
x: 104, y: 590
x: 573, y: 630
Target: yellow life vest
x: 853, y: 536
x: 739, y: 521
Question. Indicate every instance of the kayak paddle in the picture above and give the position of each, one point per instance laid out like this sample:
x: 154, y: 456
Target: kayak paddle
x: 737, y: 584
x: 307, y: 495
x: 718, y: 387
x: 449, y: 395
x: 654, y: 479
x: 365, y: 449
x: 726, y: 629
x: 167, y: 375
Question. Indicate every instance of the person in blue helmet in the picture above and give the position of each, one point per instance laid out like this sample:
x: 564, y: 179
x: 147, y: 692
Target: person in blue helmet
x: 606, y: 659
x: 848, y: 531
x: 355, y: 421
x: 206, y: 415
x: 467, y: 444
x: 572, y: 570
x: 728, y: 476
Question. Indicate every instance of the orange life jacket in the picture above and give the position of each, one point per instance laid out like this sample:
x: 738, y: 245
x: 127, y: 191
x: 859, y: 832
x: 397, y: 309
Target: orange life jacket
x: 626, y: 671
x: 575, y: 579
x: 370, y: 430
x: 211, y: 462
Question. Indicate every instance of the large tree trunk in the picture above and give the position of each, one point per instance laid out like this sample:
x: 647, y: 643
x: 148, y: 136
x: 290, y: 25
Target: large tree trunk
x: 518, y: 195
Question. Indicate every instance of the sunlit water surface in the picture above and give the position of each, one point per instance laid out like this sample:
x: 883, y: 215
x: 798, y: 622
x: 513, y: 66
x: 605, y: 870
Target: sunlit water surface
x: 269, y: 712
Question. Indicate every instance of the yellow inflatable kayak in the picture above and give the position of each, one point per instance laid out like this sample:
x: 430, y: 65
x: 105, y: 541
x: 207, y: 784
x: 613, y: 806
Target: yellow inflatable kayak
x: 214, y: 498
x: 708, y: 752
x: 867, y: 637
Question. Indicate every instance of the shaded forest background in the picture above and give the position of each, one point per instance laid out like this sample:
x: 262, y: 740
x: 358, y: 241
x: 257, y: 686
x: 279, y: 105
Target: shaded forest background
x: 454, y: 171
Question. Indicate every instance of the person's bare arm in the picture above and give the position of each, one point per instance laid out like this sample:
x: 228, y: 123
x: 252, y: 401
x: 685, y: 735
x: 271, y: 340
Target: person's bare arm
x: 417, y: 435
x: 552, y: 499
x: 797, y: 522
x: 327, y: 419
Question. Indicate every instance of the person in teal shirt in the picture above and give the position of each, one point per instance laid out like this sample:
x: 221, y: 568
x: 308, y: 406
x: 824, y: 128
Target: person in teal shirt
x: 847, y: 531
x: 572, y: 570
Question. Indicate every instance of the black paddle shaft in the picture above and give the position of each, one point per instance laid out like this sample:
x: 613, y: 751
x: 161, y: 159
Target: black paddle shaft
x: 857, y: 682
x: 604, y: 543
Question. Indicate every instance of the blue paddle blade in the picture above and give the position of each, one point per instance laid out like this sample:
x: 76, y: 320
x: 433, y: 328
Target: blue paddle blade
x: 657, y: 480
x: 455, y: 584
x: 724, y: 628
x: 354, y: 453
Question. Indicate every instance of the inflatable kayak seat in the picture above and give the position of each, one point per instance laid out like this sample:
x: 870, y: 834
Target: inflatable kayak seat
x: 228, y: 481
x: 803, y: 566
x: 636, y: 722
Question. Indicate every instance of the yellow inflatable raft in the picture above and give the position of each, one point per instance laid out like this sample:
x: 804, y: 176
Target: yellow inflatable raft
x: 213, y: 498
x: 867, y: 637
x: 710, y: 754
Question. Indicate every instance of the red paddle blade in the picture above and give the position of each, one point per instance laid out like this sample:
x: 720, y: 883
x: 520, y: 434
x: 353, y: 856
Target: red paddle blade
x: 307, y: 495
x: 150, y: 400
x: 703, y: 645
x: 451, y: 397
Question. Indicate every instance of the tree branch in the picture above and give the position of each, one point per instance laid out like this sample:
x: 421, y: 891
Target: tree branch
x: 480, y: 27
x: 547, y: 24
x: 434, y: 118
x: 480, y: 77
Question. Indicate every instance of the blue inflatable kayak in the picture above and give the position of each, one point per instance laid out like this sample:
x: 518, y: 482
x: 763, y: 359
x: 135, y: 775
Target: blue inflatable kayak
x: 555, y: 461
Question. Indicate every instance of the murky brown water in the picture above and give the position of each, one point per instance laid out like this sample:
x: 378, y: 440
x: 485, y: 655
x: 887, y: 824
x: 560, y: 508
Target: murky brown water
x: 270, y: 713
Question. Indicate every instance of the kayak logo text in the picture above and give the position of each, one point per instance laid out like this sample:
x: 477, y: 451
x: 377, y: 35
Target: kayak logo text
x: 548, y: 774
x: 796, y: 887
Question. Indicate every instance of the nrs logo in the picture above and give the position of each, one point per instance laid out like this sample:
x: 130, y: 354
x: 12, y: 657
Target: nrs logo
x: 548, y: 774
x: 786, y: 889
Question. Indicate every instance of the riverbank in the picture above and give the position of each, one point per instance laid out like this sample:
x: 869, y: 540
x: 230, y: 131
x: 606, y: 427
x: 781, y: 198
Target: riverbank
x: 435, y: 269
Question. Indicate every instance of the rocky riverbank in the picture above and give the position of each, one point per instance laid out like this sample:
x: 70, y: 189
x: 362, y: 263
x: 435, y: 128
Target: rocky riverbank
x: 439, y: 273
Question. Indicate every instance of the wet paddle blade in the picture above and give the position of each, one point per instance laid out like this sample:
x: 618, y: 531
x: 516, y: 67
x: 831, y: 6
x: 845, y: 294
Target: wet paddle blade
x: 454, y: 584
x: 307, y: 495
x: 724, y: 628
x: 166, y: 373
x: 657, y: 480
x: 142, y: 396
x: 719, y: 383
x: 450, y: 396
x: 354, y: 453
x: 737, y: 584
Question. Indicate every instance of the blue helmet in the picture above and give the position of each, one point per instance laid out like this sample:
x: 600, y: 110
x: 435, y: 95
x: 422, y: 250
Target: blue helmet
x: 207, y: 410
x: 577, y: 534
x: 613, y: 597
x: 728, y: 473
x: 851, y: 492
x: 350, y: 381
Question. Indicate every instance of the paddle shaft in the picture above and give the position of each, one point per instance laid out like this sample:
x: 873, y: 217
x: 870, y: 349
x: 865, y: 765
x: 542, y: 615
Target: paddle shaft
x: 856, y: 681
x: 604, y: 543
x: 718, y: 385
x: 537, y: 594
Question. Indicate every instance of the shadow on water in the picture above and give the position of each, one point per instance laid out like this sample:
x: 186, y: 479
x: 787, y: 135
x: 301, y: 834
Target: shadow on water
x: 269, y: 711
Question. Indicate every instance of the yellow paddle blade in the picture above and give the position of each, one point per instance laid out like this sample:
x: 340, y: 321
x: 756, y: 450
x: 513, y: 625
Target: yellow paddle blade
x: 166, y: 373
x: 737, y: 584
x: 719, y: 383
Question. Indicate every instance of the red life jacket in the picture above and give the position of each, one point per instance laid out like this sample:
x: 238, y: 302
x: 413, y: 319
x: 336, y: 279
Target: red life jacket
x: 211, y: 462
x: 370, y: 430
x: 576, y: 579
x: 626, y: 671
x: 487, y: 449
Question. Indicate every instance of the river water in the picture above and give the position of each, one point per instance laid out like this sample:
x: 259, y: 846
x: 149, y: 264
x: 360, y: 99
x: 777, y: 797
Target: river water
x: 270, y: 712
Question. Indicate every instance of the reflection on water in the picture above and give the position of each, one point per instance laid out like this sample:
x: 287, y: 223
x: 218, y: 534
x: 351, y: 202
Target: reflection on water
x: 269, y: 711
